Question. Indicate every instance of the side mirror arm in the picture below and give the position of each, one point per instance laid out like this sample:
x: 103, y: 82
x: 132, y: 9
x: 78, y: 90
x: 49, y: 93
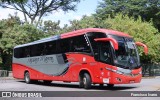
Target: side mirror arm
x: 115, y: 43
x: 145, y: 48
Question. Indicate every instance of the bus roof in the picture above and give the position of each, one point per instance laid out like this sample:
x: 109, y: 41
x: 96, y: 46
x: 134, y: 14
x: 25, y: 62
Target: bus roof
x: 83, y: 31
x: 76, y: 33
x: 56, y: 37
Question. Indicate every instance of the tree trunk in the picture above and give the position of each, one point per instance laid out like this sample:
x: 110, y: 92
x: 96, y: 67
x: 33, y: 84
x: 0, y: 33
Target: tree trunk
x: 6, y: 61
x: 25, y: 17
x: 39, y: 20
x: 32, y: 20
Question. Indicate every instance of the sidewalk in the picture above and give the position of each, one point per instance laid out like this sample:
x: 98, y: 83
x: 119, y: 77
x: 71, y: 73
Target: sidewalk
x: 7, y: 78
x: 148, y: 77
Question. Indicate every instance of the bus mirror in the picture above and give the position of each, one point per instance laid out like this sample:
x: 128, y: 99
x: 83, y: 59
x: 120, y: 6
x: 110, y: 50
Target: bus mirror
x: 144, y: 46
x: 115, y: 43
x: 96, y: 54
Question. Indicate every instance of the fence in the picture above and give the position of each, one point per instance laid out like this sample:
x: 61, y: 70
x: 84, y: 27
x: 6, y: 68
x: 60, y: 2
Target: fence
x: 3, y: 73
x: 151, y: 69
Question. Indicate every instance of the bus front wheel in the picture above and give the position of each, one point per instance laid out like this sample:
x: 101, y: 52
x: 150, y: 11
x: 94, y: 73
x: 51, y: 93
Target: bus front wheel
x: 27, y: 78
x: 86, y: 81
x: 81, y: 85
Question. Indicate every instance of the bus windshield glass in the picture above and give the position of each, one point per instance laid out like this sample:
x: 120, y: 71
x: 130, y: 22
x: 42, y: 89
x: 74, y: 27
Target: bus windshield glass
x: 127, y: 55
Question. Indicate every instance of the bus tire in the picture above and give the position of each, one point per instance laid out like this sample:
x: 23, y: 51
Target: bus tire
x: 87, y: 81
x: 27, y: 78
x: 81, y: 85
x: 110, y: 85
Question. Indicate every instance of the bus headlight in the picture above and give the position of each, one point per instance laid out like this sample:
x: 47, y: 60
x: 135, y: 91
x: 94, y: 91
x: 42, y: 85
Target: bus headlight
x: 119, y: 72
x: 140, y: 72
x: 113, y: 70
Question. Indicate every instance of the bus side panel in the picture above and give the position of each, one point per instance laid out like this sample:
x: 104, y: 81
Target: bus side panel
x: 18, y: 71
x: 77, y: 62
x: 80, y: 62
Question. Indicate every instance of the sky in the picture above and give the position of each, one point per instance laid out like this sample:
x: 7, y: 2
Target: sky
x: 85, y: 7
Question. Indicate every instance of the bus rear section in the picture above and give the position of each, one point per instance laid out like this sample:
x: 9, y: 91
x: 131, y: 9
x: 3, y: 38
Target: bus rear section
x: 88, y: 56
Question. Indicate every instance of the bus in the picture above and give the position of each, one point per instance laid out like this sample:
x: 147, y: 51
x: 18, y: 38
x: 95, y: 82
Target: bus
x: 87, y: 56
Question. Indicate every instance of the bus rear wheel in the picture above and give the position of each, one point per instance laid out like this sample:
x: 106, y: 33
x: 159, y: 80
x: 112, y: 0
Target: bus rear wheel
x: 86, y: 81
x: 27, y: 78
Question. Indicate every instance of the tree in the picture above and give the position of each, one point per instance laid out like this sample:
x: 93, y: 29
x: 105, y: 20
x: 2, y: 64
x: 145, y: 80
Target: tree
x: 147, y: 9
x: 85, y: 22
x: 33, y: 9
x: 12, y: 33
x: 51, y: 28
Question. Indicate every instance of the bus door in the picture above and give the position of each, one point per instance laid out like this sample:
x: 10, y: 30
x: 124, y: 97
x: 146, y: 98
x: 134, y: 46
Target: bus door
x: 103, y: 56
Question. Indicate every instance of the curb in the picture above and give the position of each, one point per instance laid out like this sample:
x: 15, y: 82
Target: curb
x: 7, y: 78
x: 157, y: 77
x: 151, y: 77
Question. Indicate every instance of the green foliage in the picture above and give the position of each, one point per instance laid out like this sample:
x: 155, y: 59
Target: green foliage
x: 147, y: 9
x: 51, y: 27
x: 18, y: 34
x: 14, y: 33
x: 85, y: 22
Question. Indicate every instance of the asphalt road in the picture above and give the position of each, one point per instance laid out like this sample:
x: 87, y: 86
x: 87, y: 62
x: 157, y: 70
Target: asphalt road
x: 151, y: 84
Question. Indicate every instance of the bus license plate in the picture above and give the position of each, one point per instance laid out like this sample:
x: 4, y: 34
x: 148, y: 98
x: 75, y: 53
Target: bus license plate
x: 131, y: 81
x: 105, y: 80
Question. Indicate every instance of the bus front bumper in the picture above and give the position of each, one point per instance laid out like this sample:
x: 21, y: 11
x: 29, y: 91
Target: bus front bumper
x: 116, y: 78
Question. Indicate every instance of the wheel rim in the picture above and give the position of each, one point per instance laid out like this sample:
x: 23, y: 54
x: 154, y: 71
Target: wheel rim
x: 27, y: 78
x: 84, y: 81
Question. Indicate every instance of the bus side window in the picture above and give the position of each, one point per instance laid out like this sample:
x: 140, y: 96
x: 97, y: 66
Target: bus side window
x: 79, y: 44
x: 22, y: 53
x: 37, y: 50
x: 27, y: 51
x: 18, y: 53
x: 50, y: 47
x: 63, y: 46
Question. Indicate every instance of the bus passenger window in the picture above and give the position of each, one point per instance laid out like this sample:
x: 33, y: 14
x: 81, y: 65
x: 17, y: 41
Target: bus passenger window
x: 27, y: 52
x: 50, y: 47
x: 63, y: 46
x: 36, y: 50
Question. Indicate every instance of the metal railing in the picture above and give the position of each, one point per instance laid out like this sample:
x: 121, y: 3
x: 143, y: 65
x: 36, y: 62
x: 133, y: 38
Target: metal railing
x: 151, y: 69
x: 3, y: 73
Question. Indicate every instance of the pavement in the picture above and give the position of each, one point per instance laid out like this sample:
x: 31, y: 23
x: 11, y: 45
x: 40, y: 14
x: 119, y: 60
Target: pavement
x: 12, y: 78
x: 147, y: 84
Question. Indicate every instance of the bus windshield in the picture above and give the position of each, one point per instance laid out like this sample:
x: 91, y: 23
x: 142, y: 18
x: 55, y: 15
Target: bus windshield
x: 127, y: 55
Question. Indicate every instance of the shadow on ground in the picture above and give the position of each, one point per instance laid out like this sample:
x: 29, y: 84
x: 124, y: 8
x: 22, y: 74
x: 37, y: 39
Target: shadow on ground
x: 94, y: 87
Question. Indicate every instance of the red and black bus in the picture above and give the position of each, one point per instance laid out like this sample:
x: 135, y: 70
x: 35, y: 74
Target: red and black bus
x: 88, y: 56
